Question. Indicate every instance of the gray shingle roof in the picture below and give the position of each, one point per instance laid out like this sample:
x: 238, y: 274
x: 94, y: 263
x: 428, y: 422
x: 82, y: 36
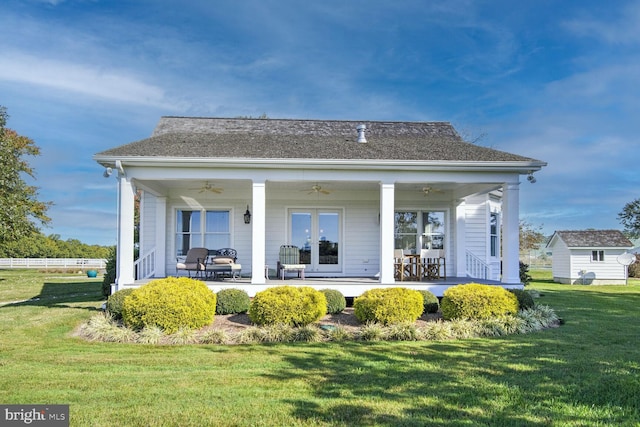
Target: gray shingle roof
x: 189, y: 137
x: 594, y: 239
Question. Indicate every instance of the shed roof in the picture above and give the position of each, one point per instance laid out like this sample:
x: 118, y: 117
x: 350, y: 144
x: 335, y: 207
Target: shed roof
x: 592, y: 239
x: 238, y: 138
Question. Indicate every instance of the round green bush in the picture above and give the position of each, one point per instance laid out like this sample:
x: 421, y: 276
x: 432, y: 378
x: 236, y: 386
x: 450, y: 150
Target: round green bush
x: 170, y: 304
x: 288, y: 305
x: 115, y: 302
x: 525, y: 300
x: 232, y: 301
x: 476, y: 301
x: 388, y: 305
x: 336, y: 302
x: 431, y: 303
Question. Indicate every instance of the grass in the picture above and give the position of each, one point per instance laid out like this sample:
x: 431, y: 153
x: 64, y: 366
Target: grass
x: 586, y: 372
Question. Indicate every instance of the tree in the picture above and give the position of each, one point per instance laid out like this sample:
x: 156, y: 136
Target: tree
x: 20, y: 210
x: 630, y: 218
x: 530, y: 236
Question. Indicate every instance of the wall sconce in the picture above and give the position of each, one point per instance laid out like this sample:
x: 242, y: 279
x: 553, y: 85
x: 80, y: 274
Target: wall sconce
x: 247, y: 216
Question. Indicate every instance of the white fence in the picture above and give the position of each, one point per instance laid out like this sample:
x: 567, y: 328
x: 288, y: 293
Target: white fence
x: 46, y: 263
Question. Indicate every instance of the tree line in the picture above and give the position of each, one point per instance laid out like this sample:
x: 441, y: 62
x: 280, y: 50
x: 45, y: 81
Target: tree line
x: 38, y: 245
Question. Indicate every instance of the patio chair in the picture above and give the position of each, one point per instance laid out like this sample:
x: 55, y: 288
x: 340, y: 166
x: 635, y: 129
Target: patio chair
x: 433, y: 264
x: 223, y: 262
x: 196, y: 260
x: 289, y: 259
x: 401, y: 265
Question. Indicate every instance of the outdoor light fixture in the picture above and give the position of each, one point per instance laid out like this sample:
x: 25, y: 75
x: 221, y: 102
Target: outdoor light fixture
x: 531, y: 178
x: 107, y: 172
x: 247, y: 216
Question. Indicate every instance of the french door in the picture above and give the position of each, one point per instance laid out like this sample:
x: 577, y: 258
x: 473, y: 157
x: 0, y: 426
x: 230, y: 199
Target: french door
x: 318, y: 234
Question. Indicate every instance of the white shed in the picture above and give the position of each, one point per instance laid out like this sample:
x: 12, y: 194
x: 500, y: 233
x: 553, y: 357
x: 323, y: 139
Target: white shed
x: 589, y: 256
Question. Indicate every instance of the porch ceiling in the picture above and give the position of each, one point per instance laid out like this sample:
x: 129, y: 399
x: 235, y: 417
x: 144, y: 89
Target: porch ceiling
x: 229, y: 187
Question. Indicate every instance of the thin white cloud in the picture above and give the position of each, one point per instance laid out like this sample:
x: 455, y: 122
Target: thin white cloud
x: 82, y: 79
x: 623, y: 29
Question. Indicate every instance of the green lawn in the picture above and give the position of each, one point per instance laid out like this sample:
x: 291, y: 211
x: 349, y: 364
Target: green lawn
x: 584, y: 373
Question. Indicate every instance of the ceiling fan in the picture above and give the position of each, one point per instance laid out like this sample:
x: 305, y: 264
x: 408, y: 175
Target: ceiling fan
x: 208, y: 187
x: 318, y: 190
x: 427, y: 189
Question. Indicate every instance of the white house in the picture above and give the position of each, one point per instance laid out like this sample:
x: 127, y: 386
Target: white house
x: 309, y: 182
x: 589, y: 256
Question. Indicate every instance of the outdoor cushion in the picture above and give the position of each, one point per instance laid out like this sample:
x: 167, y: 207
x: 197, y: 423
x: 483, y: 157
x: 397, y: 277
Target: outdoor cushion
x: 222, y: 260
x: 190, y: 266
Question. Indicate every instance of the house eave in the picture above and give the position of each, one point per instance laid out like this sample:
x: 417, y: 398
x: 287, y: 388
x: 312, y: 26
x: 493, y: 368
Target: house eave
x: 368, y: 164
x: 599, y: 247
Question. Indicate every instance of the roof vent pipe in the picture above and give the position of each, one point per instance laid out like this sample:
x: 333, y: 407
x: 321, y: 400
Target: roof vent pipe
x: 361, y: 129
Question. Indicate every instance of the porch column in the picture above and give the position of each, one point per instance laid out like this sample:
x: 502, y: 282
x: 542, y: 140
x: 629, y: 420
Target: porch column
x: 161, y: 237
x: 124, y: 251
x: 461, y: 247
x: 258, y: 234
x: 387, y: 240
x: 510, y: 233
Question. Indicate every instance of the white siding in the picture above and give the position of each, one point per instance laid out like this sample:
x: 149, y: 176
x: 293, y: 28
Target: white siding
x: 147, y: 222
x: 561, y: 262
x: 360, y: 227
x: 575, y: 266
x: 361, y: 240
x: 477, y: 232
x: 605, y: 271
x: 476, y: 226
x: 240, y: 232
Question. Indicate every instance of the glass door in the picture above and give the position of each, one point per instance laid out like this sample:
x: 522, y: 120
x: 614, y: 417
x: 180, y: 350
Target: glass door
x: 317, y: 232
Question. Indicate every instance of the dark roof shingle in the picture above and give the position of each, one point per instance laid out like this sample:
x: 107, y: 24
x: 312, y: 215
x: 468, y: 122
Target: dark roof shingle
x: 183, y: 137
x: 594, y: 239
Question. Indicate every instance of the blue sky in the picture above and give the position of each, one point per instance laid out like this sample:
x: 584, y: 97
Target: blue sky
x: 558, y: 81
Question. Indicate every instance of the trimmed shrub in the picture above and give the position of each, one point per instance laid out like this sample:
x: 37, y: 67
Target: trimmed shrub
x: 525, y: 300
x: 525, y: 277
x: 431, y: 303
x: 232, y: 301
x: 115, y: 302
x: 288, y: 305
x: 336, y: 302
x: 476, y: 301
x: 110, y: 273
x: 634, y: 269
x: 170, y: 304
x: 388, y: 305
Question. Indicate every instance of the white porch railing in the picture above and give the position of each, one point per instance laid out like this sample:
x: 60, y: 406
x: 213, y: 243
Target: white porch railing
x: 146, y: 265
x: 46, y: 263
x: 476, y: 267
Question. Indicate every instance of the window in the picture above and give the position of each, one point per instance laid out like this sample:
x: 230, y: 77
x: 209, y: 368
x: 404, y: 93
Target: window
x: 433, y: 235
x: 493, y: 234
x: 420, y: 230
x: 406, y: 231
x: 597, y: 256
x: 191, y: 224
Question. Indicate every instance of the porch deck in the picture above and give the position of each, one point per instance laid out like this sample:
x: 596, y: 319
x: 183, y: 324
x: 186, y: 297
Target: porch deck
x: 348, y: 286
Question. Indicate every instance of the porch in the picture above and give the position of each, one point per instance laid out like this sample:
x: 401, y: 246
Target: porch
x: 348, y: 286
